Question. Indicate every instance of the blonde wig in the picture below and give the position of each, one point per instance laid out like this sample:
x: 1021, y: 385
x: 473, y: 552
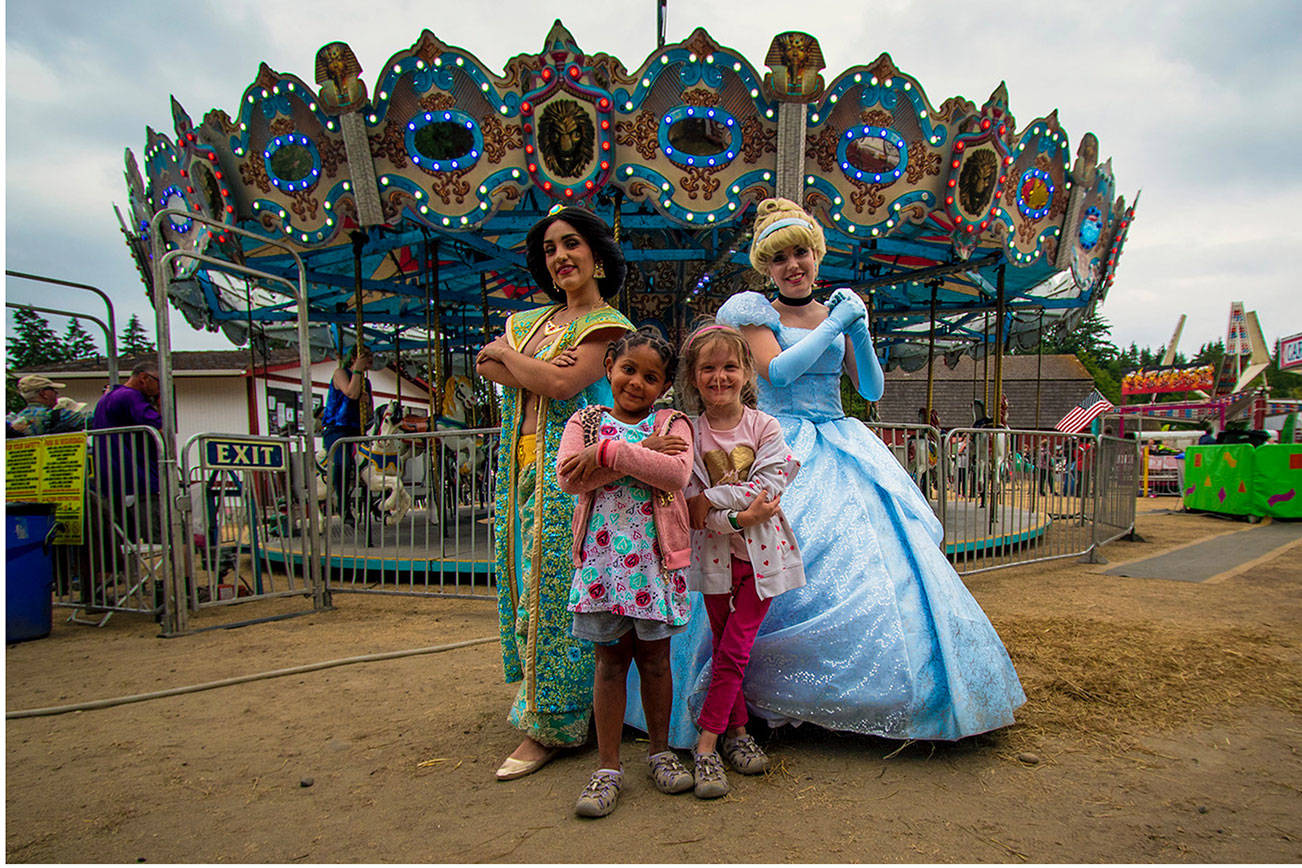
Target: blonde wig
x: 779, y: 224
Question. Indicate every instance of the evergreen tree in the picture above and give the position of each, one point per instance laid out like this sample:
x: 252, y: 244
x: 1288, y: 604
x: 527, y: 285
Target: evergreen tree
x: 78, y: 344
x: 34, y: 342
x: 134, y: 339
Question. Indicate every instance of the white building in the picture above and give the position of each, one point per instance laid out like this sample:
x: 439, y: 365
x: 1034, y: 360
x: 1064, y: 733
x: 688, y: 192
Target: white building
x: 219, y: 392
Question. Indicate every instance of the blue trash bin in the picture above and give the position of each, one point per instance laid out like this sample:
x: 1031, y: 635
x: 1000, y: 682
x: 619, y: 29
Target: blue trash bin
x: 29, y: 571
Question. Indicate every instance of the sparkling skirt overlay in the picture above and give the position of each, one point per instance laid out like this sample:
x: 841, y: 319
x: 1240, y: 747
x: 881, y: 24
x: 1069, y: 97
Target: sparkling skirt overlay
x: 884, y: 638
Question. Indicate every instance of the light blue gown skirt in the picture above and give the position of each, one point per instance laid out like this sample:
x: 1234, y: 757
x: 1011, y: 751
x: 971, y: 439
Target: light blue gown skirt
x: 884, y: 639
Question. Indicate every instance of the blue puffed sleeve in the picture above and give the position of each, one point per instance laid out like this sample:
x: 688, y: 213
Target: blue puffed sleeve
x: 748, y: 308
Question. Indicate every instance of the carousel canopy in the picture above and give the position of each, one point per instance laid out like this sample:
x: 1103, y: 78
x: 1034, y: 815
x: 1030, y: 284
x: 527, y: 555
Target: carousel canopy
x: 413, y: 195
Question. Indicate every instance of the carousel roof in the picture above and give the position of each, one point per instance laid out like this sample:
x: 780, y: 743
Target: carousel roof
x: 415, y: 194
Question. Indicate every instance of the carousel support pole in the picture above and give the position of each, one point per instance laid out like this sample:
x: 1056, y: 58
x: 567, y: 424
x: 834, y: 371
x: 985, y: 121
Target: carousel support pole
x: 437, y: 314
x: 999, y: 345
x: 429, y: 357
x: 931, y: 355
x: 617, y: 229
x: 359, y: 240
x: 985, y: 367
x: 791, y: 150
x: 397, y: 364
x: 1039, y: 367
x: 488, y: 336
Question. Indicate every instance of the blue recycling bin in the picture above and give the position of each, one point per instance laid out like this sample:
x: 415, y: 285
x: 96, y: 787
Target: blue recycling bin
x: 29, y: 571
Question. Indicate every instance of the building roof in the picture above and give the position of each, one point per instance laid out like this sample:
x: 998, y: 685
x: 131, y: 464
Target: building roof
x: 198, y: 361
x: 1063, y: 382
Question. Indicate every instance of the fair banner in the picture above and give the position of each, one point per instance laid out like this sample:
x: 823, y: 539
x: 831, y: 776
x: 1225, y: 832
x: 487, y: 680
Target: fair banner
x: 1290, y: 352
x: 1152, y: 381
x: 50, y: 469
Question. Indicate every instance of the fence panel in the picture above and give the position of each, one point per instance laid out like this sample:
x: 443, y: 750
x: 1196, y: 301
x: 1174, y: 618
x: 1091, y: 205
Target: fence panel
x: 1118, y: 475
x: 918, y: 448
x: 250, y: 526
x: 410, y: 513
x: 1016, y: 496
x: 122, y: 563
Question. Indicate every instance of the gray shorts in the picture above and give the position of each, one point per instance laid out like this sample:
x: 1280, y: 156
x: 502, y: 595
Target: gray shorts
x: 606, y: 628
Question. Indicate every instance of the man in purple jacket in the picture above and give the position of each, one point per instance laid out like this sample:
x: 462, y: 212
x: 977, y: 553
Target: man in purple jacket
x: 126, y: 464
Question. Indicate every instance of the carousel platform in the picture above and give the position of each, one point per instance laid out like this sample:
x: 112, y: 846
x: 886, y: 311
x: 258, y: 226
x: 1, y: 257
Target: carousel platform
x: 970, y: 529
x: 417, y: 549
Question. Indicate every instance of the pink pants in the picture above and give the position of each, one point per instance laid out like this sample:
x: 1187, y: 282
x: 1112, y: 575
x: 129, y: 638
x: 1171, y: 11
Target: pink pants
x: 734, y: 630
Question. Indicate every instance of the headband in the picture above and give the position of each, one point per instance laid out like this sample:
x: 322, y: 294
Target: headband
x: 780, y: 224
x: 713, y: 327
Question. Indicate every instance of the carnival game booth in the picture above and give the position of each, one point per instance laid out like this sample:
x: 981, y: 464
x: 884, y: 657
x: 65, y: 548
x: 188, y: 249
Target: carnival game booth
x: 393, y: 214
x: 1241, y: 479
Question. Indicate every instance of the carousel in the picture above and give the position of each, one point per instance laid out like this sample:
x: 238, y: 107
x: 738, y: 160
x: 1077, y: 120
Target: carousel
x: 401, y: 205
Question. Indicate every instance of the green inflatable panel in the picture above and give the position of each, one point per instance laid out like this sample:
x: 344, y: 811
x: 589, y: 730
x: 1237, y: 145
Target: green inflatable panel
x: 1277, y: 481
x: 1219, y: 479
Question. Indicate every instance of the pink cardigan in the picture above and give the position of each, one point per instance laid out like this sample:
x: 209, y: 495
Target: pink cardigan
x: 665, y: 473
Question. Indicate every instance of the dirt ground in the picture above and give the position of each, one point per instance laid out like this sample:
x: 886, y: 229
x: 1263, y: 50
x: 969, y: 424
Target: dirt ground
x: 1163, y: 725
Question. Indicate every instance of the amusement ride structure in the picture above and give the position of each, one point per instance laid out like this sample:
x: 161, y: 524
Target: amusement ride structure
x: 408, y: 201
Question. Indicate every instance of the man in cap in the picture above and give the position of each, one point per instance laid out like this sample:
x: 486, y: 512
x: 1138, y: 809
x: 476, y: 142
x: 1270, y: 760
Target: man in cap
x: 126, y: 463
x: 46, y: 412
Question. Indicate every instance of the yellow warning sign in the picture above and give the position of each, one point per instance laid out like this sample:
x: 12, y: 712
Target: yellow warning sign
x: 50, y: 469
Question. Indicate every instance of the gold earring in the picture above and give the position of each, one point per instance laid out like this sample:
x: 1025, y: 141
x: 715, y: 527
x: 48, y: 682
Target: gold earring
x: 600, y: 271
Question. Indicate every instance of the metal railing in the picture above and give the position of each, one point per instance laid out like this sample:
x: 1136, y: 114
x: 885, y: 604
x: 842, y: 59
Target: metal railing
x: 246, y: 501
x: 410, y: 513
x: 919, y: 449
x: 1118, y: 470
x: 122, y: 563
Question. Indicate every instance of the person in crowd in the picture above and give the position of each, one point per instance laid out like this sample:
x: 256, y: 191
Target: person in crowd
x: 551, y: 363
x: 349, y: 408
x: 46, y: 412
x: 883, y: 638
x: 126, y: 463
x: 626, y: 465
x: 744, y: 553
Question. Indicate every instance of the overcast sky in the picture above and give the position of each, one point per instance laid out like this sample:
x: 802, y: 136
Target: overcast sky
x: 1190, y: 100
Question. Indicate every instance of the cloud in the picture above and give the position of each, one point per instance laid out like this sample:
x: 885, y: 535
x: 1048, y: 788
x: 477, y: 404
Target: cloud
x: 1193, y: 101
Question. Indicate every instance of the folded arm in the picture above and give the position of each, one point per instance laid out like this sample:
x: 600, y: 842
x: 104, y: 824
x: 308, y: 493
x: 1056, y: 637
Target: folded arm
x: 499, y: 362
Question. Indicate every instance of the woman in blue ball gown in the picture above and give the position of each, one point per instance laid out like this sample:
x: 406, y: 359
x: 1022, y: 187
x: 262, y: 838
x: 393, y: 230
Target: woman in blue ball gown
x: 884, y: 639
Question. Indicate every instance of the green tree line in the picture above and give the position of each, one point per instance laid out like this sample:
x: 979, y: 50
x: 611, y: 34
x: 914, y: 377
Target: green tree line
x: 33, y: 343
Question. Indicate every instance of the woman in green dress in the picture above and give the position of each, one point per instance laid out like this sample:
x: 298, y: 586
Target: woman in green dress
x: 550, y: 361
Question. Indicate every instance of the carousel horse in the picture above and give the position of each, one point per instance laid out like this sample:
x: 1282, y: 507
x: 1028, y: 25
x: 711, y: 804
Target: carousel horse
x: 380, y: 463
x: 458, y: 398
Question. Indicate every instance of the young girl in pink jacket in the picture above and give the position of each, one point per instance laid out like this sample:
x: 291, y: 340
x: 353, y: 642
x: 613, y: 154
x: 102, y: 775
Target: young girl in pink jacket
x: 626, y: 465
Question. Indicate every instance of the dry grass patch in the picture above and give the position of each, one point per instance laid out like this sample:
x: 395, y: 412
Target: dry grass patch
x: 1102, y: 681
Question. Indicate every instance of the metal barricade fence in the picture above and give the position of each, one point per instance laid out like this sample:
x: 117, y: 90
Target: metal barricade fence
x: 250, y: 529
x: 123, y: 561
x: 1118, y: 485
x: 1017, y: 497
x: 919, y: 450
x: 410, y: 513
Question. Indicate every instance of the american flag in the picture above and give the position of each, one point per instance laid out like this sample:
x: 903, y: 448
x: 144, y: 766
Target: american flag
x: 1090, y: 408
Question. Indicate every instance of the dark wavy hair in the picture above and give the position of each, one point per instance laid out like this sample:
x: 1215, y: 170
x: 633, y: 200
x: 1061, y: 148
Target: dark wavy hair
x: 595, y: 232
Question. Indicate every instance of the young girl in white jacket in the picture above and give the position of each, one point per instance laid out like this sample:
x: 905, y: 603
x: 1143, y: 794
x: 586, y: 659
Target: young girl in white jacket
x: 743, y: 549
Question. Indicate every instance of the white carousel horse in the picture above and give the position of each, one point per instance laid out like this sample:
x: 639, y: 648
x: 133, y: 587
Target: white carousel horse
x: 458, y: 397
x: 379, y: 464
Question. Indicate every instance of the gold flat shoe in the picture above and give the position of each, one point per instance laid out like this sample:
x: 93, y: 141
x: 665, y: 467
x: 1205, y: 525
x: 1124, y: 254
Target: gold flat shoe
x: 513, y: 768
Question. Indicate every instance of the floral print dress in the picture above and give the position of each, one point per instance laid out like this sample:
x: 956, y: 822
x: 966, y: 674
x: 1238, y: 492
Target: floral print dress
x: 620, y: 570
